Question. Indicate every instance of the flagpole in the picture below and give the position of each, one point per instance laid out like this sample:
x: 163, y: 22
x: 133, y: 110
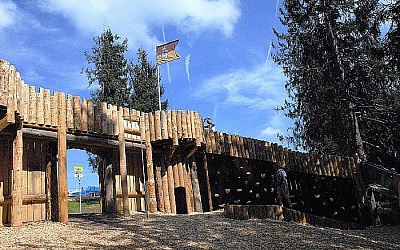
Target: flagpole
x: 159, y: 89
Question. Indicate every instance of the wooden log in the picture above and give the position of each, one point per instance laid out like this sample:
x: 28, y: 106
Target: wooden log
x: 70, y: 112
x: 188, y: 189
x: 90, y: 116
x: 16, y: 219
x: 104, y: 122
x: 40, y: 106
x: 189, y: 125
x: 149, y: 167
x: 175, y: 136
x: 159, y: 190
x: 84, y: 115
x: 184, y: 124
x: 110, y: 121
x: 179, y: 123
x: 209, y: 194
x: 115, y: 129
x: 170, y: 178
x: 176, y: 173
x: 32, y: 105
x: 164, y: 184
x: 10, y: 97
x: 54, y: 109
x: 48, y: 190
x: 151, y: 127
x: 157, y: 125
x: 47, y: 107
x: 3, y: 123
x: 62, y: 160
x: 122, y: 163
x: 164, y: 126
x: 198, y: 207
x: 77, y: 113
x: 169, y: 123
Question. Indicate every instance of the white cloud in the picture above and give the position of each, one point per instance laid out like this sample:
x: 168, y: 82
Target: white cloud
x: 255, y: 89
x: 268, y: 131
x: 8, y: 13
x: 135, y: 19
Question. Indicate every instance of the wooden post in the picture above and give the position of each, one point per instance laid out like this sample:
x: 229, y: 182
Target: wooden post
x: 159, y: 189
x: 170, y: 177
x: 198, y: 207
x: 205, y: 165
x: 62, y: 160
x: 150, y: 170
x: 48, y: 189
x: 16, y: 219
x: 164, y: 181
x: 122, y: 163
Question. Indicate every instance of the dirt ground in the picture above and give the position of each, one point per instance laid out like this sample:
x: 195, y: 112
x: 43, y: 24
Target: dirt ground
x: 197, y: 231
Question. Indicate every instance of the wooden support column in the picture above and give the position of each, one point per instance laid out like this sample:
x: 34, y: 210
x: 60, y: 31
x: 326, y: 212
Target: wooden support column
x: 170, y: 178
x: 122, y: 163
x: 109, y: 203
x: 16, y: 213
x: 151, y: 189
x: 198, y: 207
x: 205, y: 164
x: 62, y: 160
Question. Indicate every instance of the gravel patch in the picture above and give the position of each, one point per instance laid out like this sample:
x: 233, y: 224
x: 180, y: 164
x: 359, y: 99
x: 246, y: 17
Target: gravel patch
x: 196, y: 231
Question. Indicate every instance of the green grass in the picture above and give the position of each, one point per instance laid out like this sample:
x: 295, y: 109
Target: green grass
x: 87, y: 207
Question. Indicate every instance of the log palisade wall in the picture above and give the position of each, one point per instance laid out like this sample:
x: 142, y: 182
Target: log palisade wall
x: 176, y: 152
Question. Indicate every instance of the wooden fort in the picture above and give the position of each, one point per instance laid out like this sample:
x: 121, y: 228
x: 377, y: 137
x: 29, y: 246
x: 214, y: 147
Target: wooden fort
x: 165, y: 161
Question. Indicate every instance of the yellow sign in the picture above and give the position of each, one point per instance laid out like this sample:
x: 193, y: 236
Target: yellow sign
x: 78, y: 169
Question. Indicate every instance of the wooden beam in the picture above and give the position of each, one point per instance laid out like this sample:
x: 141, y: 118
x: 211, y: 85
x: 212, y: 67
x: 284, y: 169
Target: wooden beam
x: 4, y: 123
x: 122, y: 163
x: 151, y: 189
x: 191, y: 152
x: 88, y: 140
x: 16, y: 219
x: 62, y: 160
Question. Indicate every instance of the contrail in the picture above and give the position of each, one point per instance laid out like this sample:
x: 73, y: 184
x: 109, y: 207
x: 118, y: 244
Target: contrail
x: 187, y: 61
x: 268, y: 55
x: 165, y: 41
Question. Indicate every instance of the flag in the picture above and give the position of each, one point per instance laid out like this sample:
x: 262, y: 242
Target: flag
x: 166, y: 52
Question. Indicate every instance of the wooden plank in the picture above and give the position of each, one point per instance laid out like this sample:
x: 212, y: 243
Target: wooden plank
x: 62, y: 160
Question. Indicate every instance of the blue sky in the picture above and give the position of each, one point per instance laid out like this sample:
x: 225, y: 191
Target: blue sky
x: 225, y: 71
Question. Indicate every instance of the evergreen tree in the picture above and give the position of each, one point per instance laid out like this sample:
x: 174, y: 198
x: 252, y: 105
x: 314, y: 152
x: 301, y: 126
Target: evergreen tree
x: 145, y: 85
x: 110, y: 69
x: 333, y: 60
